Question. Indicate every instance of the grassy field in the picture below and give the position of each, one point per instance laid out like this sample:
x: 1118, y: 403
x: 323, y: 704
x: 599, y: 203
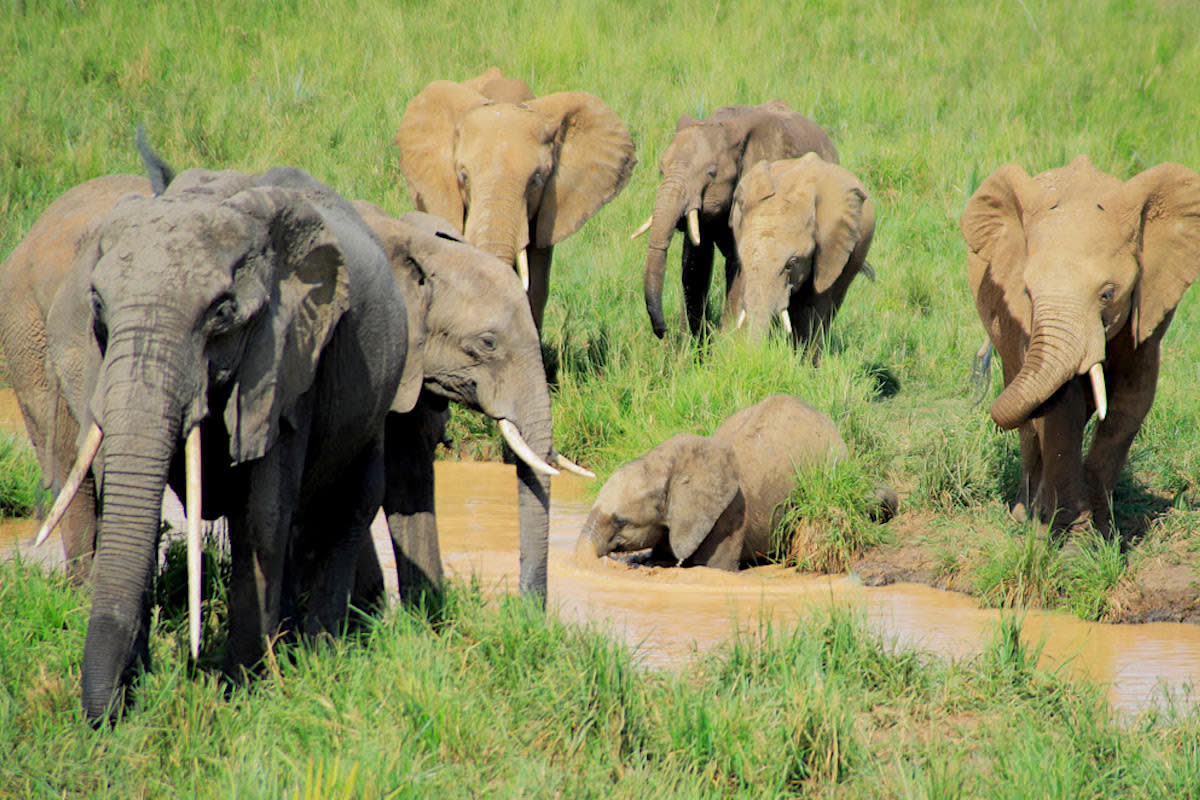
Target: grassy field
x: 923, y: 99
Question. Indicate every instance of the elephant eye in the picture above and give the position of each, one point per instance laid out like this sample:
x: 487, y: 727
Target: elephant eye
x: 488, y: 341
x: 712, y: 172
x: 99, y: 327
x: 224, y: 313
x: 1107, y: 295
x: 462, y: 177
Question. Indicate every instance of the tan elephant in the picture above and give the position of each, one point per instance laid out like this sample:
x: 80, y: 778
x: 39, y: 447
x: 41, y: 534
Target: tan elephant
x: 803, y: 227
x: 1076, y: 276
x: 514, y: 173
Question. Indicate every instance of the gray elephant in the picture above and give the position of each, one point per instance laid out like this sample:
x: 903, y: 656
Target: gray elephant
x: 228, y: 311
x: 1076, y: 276
x: 700, y: 170
x: 713, y: 500
x: 803, y: 228
x: 515, y: 174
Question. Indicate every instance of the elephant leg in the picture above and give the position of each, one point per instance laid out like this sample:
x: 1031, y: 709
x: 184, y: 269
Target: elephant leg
x: 79, y: 524
x: 734, y: 282
x: 1031, y: 470
x: 1062, y: 495
x: 539, y: 281
x: 1132, y: 378
x: 335, y: 529
x: 697, y: 277
x: 409, y: 498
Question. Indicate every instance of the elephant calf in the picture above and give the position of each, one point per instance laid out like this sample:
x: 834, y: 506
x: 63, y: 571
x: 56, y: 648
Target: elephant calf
x: 713, y: 500
x: 802, y: 227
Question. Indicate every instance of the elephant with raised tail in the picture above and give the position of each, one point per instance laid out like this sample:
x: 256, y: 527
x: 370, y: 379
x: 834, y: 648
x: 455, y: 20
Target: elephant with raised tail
x: 700, y: 170
x: 803, y: 227
x: 513, y: 173
x: 1076, y: 276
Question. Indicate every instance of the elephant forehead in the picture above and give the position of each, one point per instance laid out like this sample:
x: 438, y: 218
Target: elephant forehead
x: 629, y: 491
x: 503, y: 125
x: 1084, y: 230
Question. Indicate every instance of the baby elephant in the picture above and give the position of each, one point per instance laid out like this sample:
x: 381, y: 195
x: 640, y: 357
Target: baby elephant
x: 803, y: 227
x: 713, y: 500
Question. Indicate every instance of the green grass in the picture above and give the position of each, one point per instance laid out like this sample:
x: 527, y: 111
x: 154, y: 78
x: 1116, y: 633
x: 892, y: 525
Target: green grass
x: 499, y: 699
x: 21, y: 492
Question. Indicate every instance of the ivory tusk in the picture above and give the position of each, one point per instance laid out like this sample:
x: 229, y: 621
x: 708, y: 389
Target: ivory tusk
x: 523, y: 268
x: 571, y: 466
x: 645, y: 226
x: 741, y: 318
x: 83, y: 462
x: 1096, y: 373
x: 786, y: 320
x: 693, y: 218
x: 194, y: 504
x: 524, y: 452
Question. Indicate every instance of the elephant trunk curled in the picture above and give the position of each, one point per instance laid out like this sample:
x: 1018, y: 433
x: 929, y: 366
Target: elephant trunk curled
x: 668, y: 210
x: 1055, y: 353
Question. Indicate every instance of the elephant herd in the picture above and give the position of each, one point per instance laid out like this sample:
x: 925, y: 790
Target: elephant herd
x: 284, y: 357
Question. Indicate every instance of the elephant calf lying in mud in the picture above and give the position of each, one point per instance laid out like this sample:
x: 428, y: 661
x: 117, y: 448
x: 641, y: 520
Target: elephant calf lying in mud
x: 714, y: 500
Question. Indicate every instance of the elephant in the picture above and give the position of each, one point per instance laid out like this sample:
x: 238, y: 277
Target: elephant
x: 204, y: 336
x: 513, y: 173
x: 700, y: 170
x: 1076, y: 276
x: 715, y: 500
x: 802, y: 228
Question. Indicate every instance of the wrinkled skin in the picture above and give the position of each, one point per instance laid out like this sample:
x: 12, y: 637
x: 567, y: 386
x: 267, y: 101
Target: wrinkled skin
x: 474, y: 343
x: 713, y: 500
x: 242, y: 305
x: 512, y: 172
x: 700, y: 170
x: 1071, y: 269
x: 803, y: 228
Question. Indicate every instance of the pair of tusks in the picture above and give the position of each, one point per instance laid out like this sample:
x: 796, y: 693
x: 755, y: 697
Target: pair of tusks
x: 693, y: 226
x: 83, y: 462
x: 521, y: 448
x: 783, y: 317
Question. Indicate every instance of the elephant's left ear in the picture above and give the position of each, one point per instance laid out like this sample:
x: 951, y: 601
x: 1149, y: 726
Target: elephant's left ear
x: 1165, y: 203
x: 595, y: 160
x: 308, y: 291
x: 842, y: 214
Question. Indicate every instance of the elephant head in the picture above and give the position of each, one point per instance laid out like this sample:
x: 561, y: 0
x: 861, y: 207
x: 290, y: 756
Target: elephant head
x: 209, y: 306
x: 1068, y: 262
x: 515, y: 175
x: 803, y: 227
x: 474, y: 344
x: 684, y: 495
x: 700, y: 170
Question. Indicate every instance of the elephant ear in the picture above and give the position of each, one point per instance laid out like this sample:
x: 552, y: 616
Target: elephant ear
x: 1166, y: 202
x: 308, y: 291
x: 993, y: 225
x: 703, y: 482
x: 396, y: 236
x: 595, y: 160
x: 426, y: 139
x: 842, y: 209
x: 494, y: 86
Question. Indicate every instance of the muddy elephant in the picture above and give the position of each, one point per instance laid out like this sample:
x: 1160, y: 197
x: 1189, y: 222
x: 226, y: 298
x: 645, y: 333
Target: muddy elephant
x: 713, y: 500
x: 1076, y: 276
x: 227, y: 311
x: 514, y: 173
x: 802, y: 228
x: 700, y: 170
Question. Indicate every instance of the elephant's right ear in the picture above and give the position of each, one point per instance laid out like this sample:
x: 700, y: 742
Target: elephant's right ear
x: 426, y: 139
x: 993, y: 225
x: 396, y: 236
x: 703, y: 482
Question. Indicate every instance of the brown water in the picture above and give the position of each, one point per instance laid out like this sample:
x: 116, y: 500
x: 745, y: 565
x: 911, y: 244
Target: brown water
x: 669, y: 615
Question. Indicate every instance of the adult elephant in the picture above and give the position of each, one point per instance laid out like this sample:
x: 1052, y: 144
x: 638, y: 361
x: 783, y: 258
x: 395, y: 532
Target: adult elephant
x: 514, y: 173
x: 230, y: 311
x: 1076, y: 275
x: 802, y: 228
x: 715, y: 500
x: 700, y: 170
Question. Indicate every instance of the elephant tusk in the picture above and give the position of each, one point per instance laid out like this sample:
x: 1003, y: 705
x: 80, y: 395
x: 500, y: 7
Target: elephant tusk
x: 512, y: 435
x: 693, y: 222
x: 83, y: 462
x: 571, y: 466
x: 1096, y: 373
x: 786, y: 320
x: 194, y: 504
x: 523, y: 268
x: 741, y: 318
x: 645, y: 226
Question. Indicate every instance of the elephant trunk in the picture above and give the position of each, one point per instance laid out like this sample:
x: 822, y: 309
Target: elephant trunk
x: 1055, y: 352
x: 668, y: 210
x: 498, y: 226
x: 589, y: 546
x: 533, y: 503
